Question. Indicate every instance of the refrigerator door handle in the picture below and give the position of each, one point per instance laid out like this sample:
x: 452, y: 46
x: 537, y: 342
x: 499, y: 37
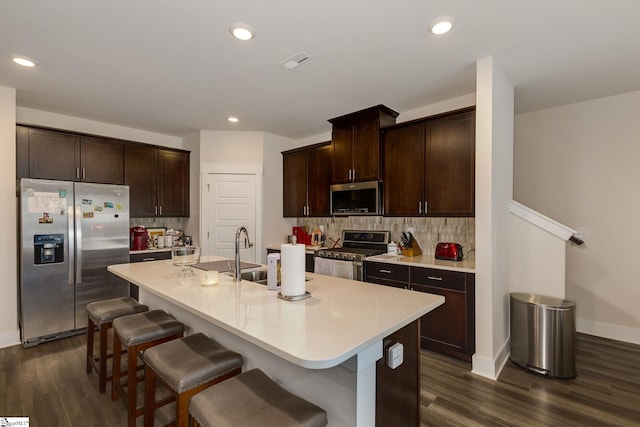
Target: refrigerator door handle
x: 71, y: 242
x: 78, y: 244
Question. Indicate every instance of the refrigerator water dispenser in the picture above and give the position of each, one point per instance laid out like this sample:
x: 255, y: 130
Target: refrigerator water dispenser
x: 48, y: 248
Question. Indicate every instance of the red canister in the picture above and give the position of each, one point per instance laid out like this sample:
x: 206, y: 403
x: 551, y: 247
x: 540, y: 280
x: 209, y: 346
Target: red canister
x: 139, y: 238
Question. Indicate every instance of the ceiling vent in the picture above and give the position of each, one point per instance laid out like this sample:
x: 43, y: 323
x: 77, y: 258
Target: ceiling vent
x: 296, y: 60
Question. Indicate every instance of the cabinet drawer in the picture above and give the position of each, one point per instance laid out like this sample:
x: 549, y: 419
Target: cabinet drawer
x: 151, y: 256
x: 438, y: 278
x: 382, y: 270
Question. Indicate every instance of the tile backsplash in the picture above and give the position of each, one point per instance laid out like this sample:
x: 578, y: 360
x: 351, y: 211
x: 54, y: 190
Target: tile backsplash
x: 169, y: 223
x: 427, y: 231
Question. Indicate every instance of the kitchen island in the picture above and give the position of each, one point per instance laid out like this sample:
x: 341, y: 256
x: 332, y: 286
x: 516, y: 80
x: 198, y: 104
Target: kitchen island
x: 323, y: 348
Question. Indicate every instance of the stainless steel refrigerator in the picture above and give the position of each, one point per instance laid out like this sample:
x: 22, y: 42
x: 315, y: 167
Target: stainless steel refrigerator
x: 69, y: 234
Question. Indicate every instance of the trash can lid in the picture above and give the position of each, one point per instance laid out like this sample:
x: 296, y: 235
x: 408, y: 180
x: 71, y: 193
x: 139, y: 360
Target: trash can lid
x: 543, y: 300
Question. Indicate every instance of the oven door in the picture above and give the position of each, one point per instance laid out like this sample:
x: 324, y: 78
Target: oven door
x: 338, y: 268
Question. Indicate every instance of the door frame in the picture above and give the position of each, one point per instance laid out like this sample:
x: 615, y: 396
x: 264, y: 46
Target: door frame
x: 233, y: 169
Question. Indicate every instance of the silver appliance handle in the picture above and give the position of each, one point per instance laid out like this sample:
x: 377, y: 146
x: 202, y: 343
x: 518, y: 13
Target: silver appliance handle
x: 70, y: 242
x: 357, y: 270
x: 78, y: 245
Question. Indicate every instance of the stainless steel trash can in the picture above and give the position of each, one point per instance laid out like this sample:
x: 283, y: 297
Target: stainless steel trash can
x: 543, y: 334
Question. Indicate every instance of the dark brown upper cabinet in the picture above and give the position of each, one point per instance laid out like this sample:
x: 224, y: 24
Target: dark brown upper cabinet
x: 306, y: 179
x: 158, y: 181
x: 355, y: 141
x: 49, y: 154
x: 429, y: 167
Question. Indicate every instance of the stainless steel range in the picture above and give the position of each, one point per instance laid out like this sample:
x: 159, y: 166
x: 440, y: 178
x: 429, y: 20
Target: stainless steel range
x: 347, y: 261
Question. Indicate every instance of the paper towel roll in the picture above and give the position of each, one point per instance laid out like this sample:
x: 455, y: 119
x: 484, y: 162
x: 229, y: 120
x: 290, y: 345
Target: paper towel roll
x: 292, y: 266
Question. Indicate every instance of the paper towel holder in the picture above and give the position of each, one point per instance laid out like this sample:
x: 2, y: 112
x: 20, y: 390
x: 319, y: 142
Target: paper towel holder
x: 306, y: 295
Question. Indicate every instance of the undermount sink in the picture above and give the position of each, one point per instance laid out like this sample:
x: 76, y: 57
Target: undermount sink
x: 259, y: 276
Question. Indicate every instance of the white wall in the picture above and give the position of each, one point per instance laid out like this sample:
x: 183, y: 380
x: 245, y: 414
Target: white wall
x: 29, y: 116
x: 578, y: 164
x: 494, y: 170
x: 259, y: 153
x: 9, y: 332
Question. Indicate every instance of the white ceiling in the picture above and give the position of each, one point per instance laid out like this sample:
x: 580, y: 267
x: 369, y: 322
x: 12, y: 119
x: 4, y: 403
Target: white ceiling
x: 171, y: 66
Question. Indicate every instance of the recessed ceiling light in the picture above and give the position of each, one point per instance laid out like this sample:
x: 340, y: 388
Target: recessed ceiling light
x: 233, y: 119
x: 23, y: 60
x: 442, y: 25
x: 242, y: 32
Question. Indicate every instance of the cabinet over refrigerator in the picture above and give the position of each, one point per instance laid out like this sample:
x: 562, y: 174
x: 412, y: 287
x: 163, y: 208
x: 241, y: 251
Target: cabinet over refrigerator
x: 69, y: 233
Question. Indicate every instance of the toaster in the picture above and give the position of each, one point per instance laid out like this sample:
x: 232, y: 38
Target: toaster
x: 449, y: 251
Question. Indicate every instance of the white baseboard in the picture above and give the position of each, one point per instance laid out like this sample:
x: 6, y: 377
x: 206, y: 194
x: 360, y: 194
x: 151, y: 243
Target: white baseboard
x: 607, y: 330
x: 490, y: 367
x: 10, y: 338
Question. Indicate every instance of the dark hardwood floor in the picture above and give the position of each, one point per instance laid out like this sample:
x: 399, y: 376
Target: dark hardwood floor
x: 606, y: 391
x: 48, y: 383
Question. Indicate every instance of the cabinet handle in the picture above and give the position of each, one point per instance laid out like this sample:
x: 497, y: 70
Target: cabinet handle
x: 308, y: 211
x: 77, y: 173
x: 420, y: 207
x: 434, y: 278
x: 425, y: 207
x: 349, y: 174
x: 148, y: 259
x: 385, y: 271
x: 83, y: 174
x: 160, y: 210
x: 353, y: 175
x: 156, y: 209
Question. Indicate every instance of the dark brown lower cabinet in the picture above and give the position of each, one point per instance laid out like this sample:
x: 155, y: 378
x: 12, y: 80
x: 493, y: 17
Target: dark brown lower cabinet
x: 450, y: 328
x: 145, y: 257
x: 398, y: 390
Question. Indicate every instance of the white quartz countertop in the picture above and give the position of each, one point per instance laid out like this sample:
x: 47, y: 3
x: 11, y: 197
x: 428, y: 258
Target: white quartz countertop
x: 341, y: 318
x: 427, y: 261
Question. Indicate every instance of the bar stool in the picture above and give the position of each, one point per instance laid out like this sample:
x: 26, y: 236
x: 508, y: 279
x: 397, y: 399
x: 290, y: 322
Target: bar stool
x: 137, y: 333
x: 185, y: 367
x: 251, y: 399
x: 102, y: 313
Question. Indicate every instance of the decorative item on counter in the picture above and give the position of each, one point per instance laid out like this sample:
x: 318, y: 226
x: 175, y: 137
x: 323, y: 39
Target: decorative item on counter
x: 210, y: 278
x: 410, y: 247
x: 292, y: 260
x: 185, y: 257
x: 317, y: 237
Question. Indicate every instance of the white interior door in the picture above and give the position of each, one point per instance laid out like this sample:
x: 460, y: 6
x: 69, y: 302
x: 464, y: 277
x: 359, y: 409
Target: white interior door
x: 231, y: 203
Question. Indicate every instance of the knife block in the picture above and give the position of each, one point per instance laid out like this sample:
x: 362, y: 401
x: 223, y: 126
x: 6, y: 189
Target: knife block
x: 414, y: 250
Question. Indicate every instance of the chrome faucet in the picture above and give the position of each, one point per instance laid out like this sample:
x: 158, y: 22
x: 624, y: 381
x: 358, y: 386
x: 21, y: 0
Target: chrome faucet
x: 247, y: 244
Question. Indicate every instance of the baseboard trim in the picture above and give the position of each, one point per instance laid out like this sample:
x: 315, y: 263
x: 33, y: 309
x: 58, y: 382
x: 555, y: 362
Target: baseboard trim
x: 607, y: 330
x: 10, y: 338
x: 491, y: 368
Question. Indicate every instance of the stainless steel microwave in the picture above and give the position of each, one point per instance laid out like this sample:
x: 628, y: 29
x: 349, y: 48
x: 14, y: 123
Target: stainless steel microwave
x: 358, y: 198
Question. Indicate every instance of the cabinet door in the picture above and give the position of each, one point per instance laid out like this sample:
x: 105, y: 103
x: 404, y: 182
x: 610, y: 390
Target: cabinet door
x: 173, y: 183
x: 341, y: 141
x: 450, y: 181
x: 141, y: 175
x: 366, y: 150
x: 54, y: 155
x: 101, y: 161
x: 318, y: 181
x: 294, y: 184
x: 403, y: 175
